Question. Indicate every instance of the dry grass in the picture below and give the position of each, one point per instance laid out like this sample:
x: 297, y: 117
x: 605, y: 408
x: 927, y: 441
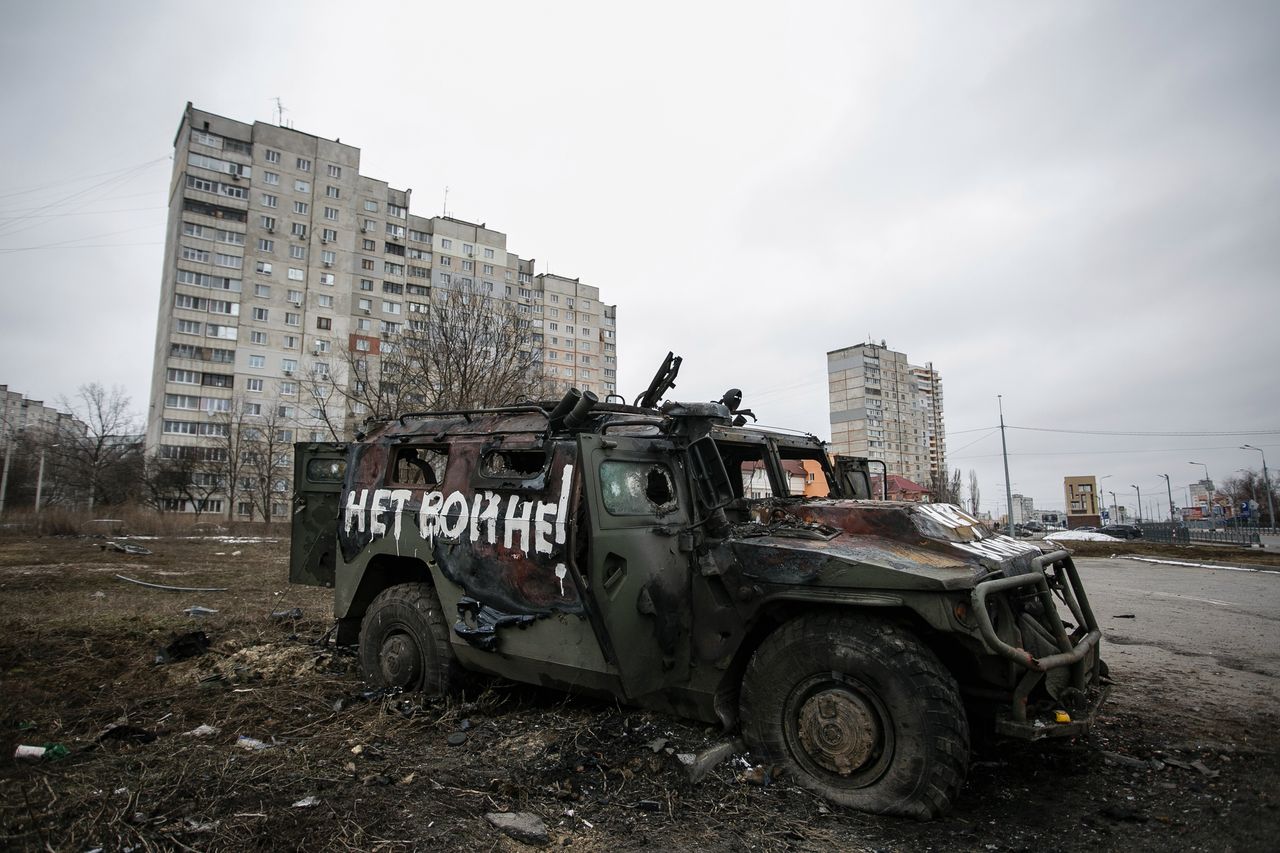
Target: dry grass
x: 77, y: 652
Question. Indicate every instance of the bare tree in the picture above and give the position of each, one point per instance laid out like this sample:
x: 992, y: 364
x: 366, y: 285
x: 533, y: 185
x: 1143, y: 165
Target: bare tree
x: 974, y: 494
x: 107, y: 458
x: 267, y: 450
x: 953, y: 491
x: 462, y: 349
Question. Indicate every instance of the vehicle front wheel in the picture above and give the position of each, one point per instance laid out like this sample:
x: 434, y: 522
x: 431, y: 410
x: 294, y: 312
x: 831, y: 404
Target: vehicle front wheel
x: 404, y: 641
x: 859, y: 711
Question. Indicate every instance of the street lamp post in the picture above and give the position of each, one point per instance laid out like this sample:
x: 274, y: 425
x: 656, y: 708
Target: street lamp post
x: 1115, y: 508
x: 1168, y: 487
x: 1100, y: 501
x: 40, y: 476
x: 1139, y: 491
x: 1266, y: 482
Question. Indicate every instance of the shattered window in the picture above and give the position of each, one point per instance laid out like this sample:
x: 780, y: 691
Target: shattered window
x: 514, y: 463
x: 326, y: 470
x: 637, y: 488
x: 419, y: 466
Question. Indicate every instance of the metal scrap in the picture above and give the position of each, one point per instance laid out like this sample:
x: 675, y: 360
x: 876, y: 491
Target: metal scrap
x: 167, y: 588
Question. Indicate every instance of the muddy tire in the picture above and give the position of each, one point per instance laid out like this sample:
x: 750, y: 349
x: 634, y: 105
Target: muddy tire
x: 404, y: 641
x: 859, y: 711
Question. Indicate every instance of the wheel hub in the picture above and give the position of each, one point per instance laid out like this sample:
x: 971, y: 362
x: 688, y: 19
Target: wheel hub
x: 839, y: 730
x: 401, y: 661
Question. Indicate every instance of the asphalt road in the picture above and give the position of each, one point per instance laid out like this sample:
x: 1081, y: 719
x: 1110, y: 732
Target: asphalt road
x: 1200, y: 643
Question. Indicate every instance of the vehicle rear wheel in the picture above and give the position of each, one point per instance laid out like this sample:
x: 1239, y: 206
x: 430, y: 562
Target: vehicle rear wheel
x: 404, y: 641
x: 859, y: 711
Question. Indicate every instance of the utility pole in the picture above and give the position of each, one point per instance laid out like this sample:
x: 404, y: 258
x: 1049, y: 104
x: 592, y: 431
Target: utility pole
x: 1139, y: 502
x: 4, y: 479
x: 1004, y: 449
x: 1266, y: 482
x: 1115, y: 508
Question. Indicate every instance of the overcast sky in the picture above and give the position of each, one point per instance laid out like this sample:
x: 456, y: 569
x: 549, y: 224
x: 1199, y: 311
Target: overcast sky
x: 1075, y: 205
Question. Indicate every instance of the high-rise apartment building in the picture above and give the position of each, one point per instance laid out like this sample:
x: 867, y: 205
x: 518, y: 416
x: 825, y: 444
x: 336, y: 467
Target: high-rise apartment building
x: 279, y: 255
x: 883, y: 407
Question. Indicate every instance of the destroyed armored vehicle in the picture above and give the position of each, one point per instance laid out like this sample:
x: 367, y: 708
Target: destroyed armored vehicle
x: 617, y: 550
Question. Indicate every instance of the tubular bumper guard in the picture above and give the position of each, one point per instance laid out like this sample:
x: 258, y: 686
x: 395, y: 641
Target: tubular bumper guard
x: 1050, y: 571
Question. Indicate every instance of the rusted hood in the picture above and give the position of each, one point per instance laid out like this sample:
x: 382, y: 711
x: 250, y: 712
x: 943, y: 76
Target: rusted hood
x: 872, y: 544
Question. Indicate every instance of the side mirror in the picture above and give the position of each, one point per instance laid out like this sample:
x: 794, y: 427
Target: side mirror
x: 710, y: 478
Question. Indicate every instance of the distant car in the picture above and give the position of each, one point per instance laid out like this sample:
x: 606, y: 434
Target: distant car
x: 1122, y: 531
x: 1033, y: 527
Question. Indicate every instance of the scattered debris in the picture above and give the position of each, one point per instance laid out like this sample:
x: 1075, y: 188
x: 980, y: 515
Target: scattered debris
x: 125, y: 548
x: 173, y: 588
x: 1200, y: 766
x: 1125, y: 616
x: 126, y: 733
x: 1125, y: 760
x: 189, y: 645
x: 522, y: 826
x: 197, y: 610
x: 282, y: 615
x: 307, y: 802
x: 456, y: 738
x: 708, y: 759
x: 1123, y: 813
x: 252, y: 743
x: 758, y: 775
x: 32, y: 753
x: 202, y: 731
x: 657, y: 744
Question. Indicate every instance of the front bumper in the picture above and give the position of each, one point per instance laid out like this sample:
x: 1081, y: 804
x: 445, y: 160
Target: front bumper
x: 1082, y: 695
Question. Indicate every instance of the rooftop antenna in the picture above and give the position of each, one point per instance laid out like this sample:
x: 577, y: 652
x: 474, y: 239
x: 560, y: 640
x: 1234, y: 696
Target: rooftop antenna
x: 444, y: 208
x: 280, y: 111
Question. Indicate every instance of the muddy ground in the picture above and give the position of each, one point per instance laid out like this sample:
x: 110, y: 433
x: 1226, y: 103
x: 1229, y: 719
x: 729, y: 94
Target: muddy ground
x: 78, y: 668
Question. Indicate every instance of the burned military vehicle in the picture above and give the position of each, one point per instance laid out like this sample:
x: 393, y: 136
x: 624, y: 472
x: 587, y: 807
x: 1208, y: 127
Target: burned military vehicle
x: 612, y: 549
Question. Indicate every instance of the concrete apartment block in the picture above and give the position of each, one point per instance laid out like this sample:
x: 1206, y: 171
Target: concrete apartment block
x: 278, y: 252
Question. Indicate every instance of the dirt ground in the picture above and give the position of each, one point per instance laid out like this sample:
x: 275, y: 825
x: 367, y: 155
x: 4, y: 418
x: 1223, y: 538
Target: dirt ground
x: 335, y: 770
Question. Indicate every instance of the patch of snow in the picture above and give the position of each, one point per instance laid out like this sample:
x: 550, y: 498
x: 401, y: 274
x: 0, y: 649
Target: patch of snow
x: 1204, y: 565
x: 1081, y: 536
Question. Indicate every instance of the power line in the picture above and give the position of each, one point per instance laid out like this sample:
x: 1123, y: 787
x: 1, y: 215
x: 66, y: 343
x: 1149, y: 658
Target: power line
x: 1176, y: 433
x: 1098, y: 452
x: 69, y: 181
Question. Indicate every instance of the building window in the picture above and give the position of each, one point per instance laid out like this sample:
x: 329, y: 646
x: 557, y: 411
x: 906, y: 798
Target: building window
x: 335, y: 171
x: 301, y: 208
x: 264, y: 268
x: 292, y: 319
x: 257, y: 361
x: 371, y: 206
x: 390, y: 307
x: 298, y: 230
x: 288, y: 365
x: 260, y: 314
x: 268, y: 223
x: 268, y: 200
x: 296, y: 274
x: 324, y: 323
x: 488, y: 253
x: 328, y: 258
x: 265, y: 245
x: 325, y: 301
x: 298, y: 253
x: 253, y: 385
x: 328, y: 235
x: 332, y: 192
x: 290, y: 341
x: 304, y: 165
x: 256, y: 337
x: 272, y: 156
x: 271, y: 178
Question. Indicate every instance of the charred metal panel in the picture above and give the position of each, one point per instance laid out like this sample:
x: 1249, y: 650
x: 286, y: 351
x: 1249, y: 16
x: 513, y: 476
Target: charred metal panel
x: 507, y: 548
